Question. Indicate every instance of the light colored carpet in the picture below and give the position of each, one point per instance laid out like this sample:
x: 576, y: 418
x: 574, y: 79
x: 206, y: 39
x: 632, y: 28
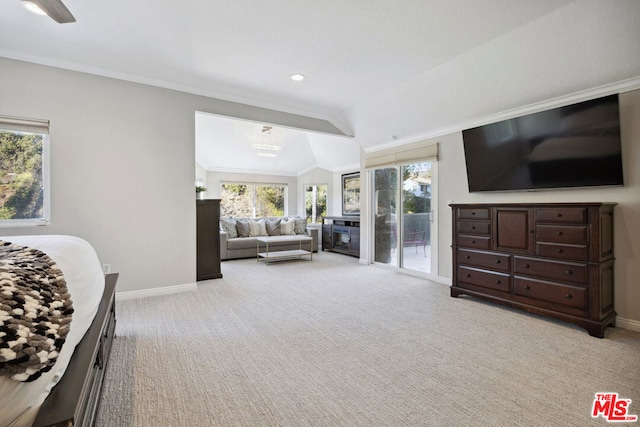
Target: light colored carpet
x: 335, y: 343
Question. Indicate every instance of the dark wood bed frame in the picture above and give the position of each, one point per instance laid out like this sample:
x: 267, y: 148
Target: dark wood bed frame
x: 74, y: 400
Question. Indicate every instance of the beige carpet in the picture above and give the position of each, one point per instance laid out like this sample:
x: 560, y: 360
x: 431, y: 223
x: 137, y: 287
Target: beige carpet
x: 335, y: 343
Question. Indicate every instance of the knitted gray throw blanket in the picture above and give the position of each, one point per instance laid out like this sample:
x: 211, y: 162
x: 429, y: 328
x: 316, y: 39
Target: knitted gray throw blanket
x: 35, y: 312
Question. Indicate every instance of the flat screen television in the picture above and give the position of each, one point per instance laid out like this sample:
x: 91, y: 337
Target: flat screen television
x: 576, y: 145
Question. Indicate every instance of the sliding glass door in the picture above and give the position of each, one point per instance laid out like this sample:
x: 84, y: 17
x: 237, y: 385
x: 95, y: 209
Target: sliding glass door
x: 385, y: 187
x: 403, y: 216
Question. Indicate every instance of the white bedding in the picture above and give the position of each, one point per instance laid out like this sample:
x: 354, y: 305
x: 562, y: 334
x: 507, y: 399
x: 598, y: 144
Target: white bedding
x: 80, y: 266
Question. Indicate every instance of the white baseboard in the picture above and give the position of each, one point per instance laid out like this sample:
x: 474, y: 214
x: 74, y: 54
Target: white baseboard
x: 165, y: 290
x: 443, y: 280
x: 632, y: 325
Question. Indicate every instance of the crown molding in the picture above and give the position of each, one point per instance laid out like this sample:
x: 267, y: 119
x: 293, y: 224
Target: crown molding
x: 609, y: 89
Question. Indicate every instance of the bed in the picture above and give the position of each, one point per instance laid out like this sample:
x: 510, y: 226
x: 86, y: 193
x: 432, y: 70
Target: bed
x: 23, y: 396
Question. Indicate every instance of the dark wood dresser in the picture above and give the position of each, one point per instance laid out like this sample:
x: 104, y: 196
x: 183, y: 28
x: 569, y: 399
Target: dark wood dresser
x: 208, y: 239
x: 550, y: 259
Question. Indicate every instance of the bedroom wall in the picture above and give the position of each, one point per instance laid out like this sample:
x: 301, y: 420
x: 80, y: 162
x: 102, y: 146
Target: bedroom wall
x: 122, y: 165
x: 453, y: 187
x: 122, y: 171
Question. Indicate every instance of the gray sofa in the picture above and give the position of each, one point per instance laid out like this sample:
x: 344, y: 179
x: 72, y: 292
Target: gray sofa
x: 238, y: 236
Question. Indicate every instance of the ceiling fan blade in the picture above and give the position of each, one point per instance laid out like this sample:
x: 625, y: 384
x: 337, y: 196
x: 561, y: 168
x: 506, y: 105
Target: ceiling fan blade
x: 56, y: 10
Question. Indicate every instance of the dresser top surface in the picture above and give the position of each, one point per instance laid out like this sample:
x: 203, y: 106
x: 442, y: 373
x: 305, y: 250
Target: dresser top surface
x: 539, y: 204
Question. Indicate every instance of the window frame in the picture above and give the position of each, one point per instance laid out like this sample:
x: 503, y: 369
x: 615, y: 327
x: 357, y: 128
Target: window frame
x: 260, y: 184
x: 34, y: 126
x: 304, y: 202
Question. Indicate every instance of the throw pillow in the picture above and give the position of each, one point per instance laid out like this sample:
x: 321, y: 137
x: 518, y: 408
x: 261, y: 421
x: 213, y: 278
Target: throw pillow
x: 273, y: 227
x: 287, y: 227
x: 242, y: 227
x: 228, y: 225
x: 301, y: 226
x: 257, y: 228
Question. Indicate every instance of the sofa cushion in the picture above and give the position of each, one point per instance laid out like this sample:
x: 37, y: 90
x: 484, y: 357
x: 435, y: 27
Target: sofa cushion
x: 228, y: 225
x: 300, y: 226
x: 242, y: 228
x: 242, y: 243
x: 273, y: 227
x: 287, y: 227
x: 257, y: 228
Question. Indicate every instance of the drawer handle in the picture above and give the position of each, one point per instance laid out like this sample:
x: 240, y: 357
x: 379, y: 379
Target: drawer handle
x: 525, y: 265
x: 473, y: 228
x: 498, y: 261
x: 473, y: 241
x: 473, y: 213
x: 526, y: 287
x: 559, y: 250
x: 559, y: 233
x: 568, y: 296
x: 568, y: 272
x: 467, y: 257
x: 498, y: 282
x: 468, y: 275
x: 559, y: 215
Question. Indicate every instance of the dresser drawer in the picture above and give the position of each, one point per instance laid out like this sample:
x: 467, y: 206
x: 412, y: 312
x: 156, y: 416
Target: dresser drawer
x: 554, y: 293
x: 561, y: 271
x: 474, y: 227
x: 565, y: 215
x: 477, y: 242
x: 474, y: 213
x: 567, y: 252
x: 485, y: 279
x: 491, y: 260
x: 562, y: 234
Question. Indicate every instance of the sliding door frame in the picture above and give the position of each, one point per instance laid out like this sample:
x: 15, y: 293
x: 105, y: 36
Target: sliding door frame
x: 433, y: 274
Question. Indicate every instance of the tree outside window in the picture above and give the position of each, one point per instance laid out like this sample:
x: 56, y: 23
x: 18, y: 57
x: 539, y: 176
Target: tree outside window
x: 22, y: 183
x: 315, y: 202
x: 252, y: 200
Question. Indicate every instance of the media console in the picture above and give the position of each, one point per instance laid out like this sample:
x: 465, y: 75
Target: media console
x: 554, y: 259
x: 341, y: 234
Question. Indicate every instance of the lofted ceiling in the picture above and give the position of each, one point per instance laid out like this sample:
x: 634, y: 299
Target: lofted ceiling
x: 228, y: 145
x: 386, y: 72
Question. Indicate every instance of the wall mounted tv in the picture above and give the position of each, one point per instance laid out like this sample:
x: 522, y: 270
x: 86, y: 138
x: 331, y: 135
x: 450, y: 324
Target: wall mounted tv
x: 572, y: 146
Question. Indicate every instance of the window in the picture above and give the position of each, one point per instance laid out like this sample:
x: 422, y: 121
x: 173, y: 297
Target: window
x: 315, y: 202
x: 253, y: 200
x: 24, y: 160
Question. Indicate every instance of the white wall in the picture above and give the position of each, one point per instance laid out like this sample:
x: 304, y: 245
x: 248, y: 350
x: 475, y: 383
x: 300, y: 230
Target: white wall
x: 201, y: 174
x: 453, y: 187
x: 122, y: 165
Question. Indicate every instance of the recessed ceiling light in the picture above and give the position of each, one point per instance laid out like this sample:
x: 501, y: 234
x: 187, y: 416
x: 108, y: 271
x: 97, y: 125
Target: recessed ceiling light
x: 34, y: 8
x: 297, y: 77
x: 267, y: 154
